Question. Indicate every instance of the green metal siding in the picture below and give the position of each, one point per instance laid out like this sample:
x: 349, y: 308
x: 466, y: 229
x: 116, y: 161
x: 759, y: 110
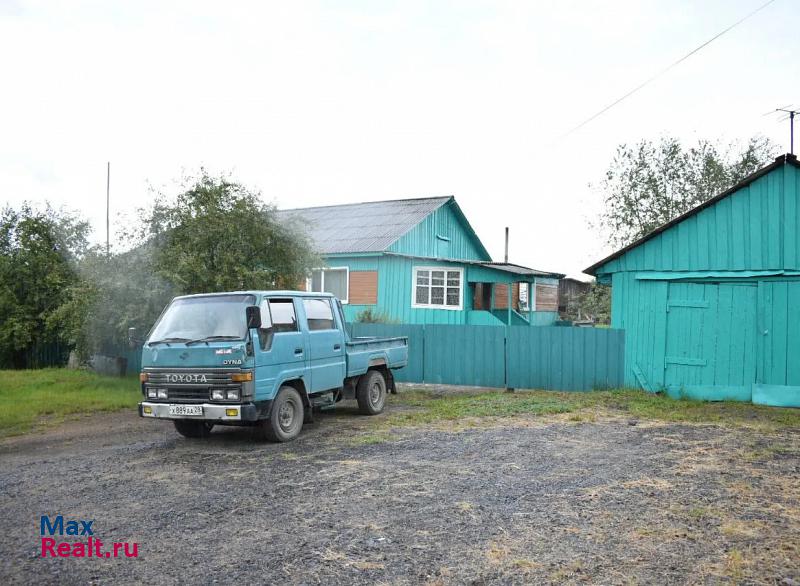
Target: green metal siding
x: 422, y: 240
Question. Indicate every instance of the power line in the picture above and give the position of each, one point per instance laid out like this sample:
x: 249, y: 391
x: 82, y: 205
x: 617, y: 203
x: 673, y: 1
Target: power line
x: 665, y: 70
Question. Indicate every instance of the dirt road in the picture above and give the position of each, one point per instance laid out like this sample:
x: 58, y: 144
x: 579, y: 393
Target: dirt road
x: 537, y: 499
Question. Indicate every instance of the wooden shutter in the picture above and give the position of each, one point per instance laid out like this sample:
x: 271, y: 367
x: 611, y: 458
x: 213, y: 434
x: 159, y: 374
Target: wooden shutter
x: 501, y: 296
x: 363, y: 288
x: 546, y: 297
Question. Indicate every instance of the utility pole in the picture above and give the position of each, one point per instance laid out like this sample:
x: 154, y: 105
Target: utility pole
x: 791, y: 114
x: 108, y: 201
x: 506, y: 244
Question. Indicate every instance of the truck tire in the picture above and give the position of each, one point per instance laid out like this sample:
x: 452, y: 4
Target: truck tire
x: 193, y: 429
x: 286, y: 418
x: 371, y: 393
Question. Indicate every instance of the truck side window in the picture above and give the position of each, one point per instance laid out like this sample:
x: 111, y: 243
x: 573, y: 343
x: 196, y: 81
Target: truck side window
x: 319, y: 314
x: 283, y: 320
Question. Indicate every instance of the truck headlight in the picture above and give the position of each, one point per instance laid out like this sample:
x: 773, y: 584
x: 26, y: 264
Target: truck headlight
x: 217, y: 395
x: 151, y: 393
x: 233, y: 395
x: 162, y: 393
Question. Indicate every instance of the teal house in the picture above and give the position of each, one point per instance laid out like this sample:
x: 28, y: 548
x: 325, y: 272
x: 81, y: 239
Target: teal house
x: 418, y: 261
x: 710, y: 302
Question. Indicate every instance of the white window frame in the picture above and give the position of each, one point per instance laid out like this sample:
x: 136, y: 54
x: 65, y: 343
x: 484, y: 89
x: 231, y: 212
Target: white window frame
x: 322, y: 281
x: 416, y: 305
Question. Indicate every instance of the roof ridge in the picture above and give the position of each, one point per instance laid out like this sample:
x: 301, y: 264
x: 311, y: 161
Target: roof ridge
x: 341, y: 205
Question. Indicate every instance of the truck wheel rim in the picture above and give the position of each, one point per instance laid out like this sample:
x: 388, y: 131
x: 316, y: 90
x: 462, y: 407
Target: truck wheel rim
x: 375, y: 394
x: 286, y: 416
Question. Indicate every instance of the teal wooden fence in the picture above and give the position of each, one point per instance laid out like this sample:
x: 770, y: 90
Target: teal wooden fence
x: 412, y: 373
x: 565, y: 359
x: 552, y: 358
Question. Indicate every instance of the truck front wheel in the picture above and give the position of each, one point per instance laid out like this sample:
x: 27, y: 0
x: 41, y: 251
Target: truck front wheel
x: 286, y: 419
x: 371, y: 393
x: 193, y: 429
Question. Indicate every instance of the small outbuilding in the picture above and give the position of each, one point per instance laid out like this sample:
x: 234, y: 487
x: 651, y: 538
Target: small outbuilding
x: 710, y: 302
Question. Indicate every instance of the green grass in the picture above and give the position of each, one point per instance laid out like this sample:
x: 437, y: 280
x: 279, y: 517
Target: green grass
x: 427, y: 408
x: 32, y: 397
x: 39, y: 397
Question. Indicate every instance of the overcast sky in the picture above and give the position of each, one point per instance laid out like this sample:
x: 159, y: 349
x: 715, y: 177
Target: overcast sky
x: 318, y: 103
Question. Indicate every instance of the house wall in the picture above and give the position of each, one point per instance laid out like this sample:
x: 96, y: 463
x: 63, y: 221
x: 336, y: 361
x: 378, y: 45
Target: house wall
x: 394, y: 290
x: 423, y: 239
x: 711, y: 307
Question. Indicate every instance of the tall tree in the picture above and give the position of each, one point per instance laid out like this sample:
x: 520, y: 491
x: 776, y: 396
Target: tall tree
x: 219, y: 236
x: 650, y: 183
x: 38, y: 253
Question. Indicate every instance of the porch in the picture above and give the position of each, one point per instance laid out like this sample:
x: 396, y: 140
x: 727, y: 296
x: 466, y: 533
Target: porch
x: 509, y: 294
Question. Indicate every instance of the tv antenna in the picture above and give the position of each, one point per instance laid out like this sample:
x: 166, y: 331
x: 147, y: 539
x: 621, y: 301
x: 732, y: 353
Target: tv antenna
x: 790, y: 114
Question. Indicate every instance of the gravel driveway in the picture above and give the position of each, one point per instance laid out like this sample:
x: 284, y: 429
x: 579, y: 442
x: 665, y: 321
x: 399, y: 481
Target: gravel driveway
x: 520, y: 500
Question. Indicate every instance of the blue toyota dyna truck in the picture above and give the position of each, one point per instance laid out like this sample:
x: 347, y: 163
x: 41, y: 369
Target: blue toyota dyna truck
x: 266, y: 359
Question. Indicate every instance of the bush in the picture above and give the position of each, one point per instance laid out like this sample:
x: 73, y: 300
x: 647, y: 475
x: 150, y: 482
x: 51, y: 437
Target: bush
x: 370, y: 316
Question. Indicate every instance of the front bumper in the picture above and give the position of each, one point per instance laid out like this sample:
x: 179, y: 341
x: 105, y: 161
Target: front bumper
x: 211, y: 412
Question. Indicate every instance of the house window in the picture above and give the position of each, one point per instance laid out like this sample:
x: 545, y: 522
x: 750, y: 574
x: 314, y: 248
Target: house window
x: 523, y: 296
x: 438, y: 288
x: 333, y: 280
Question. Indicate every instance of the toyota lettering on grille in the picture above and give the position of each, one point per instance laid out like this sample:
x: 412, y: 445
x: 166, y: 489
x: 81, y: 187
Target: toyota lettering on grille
x: 186, y: 378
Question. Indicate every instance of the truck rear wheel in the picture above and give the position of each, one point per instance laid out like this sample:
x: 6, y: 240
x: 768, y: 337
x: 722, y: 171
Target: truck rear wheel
x: 286, y: 419
x: 193, y: 429
x: 371, y: 393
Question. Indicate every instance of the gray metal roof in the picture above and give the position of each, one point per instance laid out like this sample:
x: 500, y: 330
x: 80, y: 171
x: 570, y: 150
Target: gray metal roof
x: 362, y: 227
x: 520, y: 270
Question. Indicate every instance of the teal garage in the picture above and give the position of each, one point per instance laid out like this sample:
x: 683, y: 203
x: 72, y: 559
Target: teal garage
x: 710, y: 302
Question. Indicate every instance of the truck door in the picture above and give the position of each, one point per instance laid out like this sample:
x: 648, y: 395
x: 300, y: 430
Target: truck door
x: 280, y: 353
x: 325, y: 345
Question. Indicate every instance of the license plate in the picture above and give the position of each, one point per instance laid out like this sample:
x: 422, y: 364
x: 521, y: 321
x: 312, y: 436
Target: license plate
x: 185, y: 409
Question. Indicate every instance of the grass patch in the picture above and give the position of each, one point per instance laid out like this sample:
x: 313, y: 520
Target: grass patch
x: 425, y: 407
x: 32, y: 397
x: 429, y: 408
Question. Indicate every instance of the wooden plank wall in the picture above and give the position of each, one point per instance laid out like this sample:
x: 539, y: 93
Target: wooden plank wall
x: 546, y: 297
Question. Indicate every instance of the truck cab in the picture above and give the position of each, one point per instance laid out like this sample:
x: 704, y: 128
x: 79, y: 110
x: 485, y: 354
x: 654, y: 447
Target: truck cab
x: 267, y: 359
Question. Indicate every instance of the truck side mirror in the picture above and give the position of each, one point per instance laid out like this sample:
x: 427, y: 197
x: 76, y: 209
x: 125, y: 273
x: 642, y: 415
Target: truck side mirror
x: 253, y: 313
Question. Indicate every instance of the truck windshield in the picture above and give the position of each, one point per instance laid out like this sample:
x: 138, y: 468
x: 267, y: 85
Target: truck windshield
x: 197, y: 318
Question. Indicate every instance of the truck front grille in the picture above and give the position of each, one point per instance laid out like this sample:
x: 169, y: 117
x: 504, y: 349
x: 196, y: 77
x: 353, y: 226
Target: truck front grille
x: 194, y: 378
x: 190, y: 385
x: 188, y: 395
